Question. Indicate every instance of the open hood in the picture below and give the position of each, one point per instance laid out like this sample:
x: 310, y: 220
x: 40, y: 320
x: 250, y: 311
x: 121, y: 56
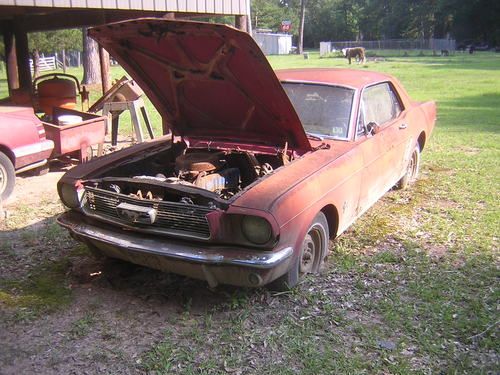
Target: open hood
x: 206, y: 80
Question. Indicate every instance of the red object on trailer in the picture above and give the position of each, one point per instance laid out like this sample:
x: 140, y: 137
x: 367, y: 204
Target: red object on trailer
x: 56, y: 90
x: 77, y: 138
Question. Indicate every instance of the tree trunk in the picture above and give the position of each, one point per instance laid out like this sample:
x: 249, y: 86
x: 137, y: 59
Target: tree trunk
x: 36, y: 63
x: 300, y: 48
x: 91, y: 68
x: 64, y: 60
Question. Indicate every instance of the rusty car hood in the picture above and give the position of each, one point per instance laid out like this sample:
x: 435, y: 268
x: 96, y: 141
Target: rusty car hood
x: 206, y: 80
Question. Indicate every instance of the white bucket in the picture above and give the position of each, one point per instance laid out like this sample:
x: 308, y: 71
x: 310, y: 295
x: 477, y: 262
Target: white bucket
x: 69, y: 120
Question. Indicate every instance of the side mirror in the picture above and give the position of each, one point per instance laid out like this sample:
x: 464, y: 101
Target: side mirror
x: 372, y: 128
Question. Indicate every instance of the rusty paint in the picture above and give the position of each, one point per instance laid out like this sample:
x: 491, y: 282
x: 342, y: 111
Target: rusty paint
x: 341, y: 176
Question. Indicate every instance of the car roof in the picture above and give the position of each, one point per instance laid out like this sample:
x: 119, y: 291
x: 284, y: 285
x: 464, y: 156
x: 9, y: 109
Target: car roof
x: 345, y: 77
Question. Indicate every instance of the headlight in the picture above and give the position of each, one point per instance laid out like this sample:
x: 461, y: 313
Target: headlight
x: 256, y: 229
x: 71, y: 196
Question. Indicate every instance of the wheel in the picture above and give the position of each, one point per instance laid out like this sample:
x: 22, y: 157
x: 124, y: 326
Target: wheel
x: 7, y: 176
x: 86, y: 154
x: 312, y: 254
x: 411, y: 170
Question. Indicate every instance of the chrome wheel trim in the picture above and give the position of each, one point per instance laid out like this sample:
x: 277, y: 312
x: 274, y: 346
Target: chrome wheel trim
x: 413, y: 165
x: 311, y: 251
x: 3, y: 179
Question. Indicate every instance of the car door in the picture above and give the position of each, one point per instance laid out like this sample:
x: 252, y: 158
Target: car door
x: 382, y: 135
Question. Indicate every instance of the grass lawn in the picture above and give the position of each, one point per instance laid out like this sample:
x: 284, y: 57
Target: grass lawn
x: 411, y: 287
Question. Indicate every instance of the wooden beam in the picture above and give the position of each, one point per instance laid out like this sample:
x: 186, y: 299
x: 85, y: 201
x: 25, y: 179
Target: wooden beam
x: 105, y: 77
x: 241, y: 23
x: 23, y: 58
x: 63, y: 19
x: 11, y: 59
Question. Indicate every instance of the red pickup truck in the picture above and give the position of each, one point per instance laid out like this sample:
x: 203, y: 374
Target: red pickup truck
x: 23, y: 145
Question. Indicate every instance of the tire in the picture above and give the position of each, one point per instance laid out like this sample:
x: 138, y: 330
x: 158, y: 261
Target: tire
x: 7, y: 176
x: 311, y: 256
x: 412, y: 169
x: 90, y: 154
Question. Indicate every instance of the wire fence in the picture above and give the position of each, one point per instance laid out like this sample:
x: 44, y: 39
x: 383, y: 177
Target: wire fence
x: 401, y: 46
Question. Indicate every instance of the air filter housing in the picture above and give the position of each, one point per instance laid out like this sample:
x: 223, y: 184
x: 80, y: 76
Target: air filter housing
x: 199, y: 162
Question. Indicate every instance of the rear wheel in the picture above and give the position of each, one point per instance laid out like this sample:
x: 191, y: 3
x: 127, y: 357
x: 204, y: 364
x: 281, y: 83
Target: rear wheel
x: 7, y: 176
x: 312, y: 254
x: 411, y: 169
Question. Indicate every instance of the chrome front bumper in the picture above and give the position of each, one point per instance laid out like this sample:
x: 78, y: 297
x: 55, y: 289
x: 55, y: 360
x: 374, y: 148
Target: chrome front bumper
x: 215, y: 264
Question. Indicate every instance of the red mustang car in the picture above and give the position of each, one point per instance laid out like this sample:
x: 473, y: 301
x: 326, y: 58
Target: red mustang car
x: 23, y: 145
x: 260, y: 170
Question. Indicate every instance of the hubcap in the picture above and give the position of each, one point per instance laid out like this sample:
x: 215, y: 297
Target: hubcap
x: 3, y: 179
x: 412, y: 166
x: 311, y: 249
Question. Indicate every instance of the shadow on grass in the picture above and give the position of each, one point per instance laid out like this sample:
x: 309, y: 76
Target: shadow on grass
x: 477, y: 113
x: 480, y: 61
x: 42, y: 266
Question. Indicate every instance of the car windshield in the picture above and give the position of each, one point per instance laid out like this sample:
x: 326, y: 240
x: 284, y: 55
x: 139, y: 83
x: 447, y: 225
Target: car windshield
x: 323, y: 110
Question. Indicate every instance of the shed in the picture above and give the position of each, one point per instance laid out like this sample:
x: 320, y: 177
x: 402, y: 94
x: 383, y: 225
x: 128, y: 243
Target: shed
x: 274, y: 44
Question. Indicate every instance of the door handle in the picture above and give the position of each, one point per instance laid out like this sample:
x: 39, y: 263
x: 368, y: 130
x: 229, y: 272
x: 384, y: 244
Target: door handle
x: 403, y: 126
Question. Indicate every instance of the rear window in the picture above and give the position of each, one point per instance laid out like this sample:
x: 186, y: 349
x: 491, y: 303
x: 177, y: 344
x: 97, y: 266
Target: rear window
x: 323, y: 110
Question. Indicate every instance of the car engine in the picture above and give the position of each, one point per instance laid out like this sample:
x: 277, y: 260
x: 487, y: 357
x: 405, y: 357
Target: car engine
x: 223, y: 173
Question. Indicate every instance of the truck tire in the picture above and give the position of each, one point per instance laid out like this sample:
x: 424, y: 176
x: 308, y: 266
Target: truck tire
x: 7, y: 176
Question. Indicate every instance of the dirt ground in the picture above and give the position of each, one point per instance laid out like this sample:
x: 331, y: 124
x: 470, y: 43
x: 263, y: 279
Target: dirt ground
x: 116, y: 310
x: 64, y: 312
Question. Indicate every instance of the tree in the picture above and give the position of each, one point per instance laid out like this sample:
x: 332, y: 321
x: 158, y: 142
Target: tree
x: 91, y: 67
x: 37, y: 43
x: 300, y: 46
x: 51, y: 42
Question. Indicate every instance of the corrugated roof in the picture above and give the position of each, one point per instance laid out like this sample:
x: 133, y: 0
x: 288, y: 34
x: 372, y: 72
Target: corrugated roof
x: 229, y: 7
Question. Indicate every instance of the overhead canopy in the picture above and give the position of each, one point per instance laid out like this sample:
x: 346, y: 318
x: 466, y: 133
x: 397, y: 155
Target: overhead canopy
x: 18, y: 17
x: 37, y: 15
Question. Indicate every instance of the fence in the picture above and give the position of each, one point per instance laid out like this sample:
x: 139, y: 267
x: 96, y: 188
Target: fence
x: 73, y: 58
x: 46, y: 63
x: 391, y: 44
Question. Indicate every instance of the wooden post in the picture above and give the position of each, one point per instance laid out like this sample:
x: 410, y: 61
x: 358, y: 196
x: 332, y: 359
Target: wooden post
x: 23, y: 59
x: 241, y: 22
x: 11, y: 59
x: 105, y: 77
x: 63, y: 57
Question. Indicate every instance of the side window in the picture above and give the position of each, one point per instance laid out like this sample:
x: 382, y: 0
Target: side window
x: 360, y: 127
x: 379, y: 104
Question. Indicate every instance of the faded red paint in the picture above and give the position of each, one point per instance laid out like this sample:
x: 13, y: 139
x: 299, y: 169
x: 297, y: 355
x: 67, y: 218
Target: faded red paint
x: 22, y: 137
x: 75, y: 137
x: 342, y: 178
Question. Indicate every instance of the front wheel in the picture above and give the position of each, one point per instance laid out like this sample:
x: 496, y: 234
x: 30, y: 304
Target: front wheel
x: 411, y: 170
x: 312, y: 254
x: 7, y: 176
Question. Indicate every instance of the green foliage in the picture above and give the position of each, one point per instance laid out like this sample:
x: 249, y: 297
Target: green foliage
x: 269, y: 14
x: 45, y: 290
x: 54, y: 41
x: 373, y: 20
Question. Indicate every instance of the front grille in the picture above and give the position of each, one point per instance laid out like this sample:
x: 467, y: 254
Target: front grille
x: 171, y: 217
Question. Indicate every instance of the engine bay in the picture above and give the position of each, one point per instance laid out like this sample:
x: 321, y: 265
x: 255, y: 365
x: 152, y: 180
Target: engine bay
x: 189, y: 175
